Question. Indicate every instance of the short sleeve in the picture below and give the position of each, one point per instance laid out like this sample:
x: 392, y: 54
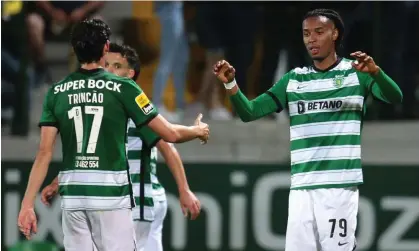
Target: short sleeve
x: 47, y: 117
x: 278, y: 92
x: 148, y: 136
x: 139, y: 107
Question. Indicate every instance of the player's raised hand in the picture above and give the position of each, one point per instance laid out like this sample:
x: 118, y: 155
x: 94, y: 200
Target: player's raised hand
x: 204, y: 128
x: 364, y: 63
x: 224, y: 71
x: 27, y: 222
x: 48, y: 193
x: 190, y: 204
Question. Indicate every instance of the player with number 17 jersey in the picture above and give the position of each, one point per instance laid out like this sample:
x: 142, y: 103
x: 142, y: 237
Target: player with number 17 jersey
x: 93, y: 107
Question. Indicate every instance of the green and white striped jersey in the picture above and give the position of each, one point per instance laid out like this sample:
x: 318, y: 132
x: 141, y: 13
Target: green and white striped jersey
x: 142, y: 159
x: 326, y: 110
x: 91, y: 109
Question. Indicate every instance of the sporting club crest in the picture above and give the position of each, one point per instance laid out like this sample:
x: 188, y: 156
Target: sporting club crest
x: 338, y: 81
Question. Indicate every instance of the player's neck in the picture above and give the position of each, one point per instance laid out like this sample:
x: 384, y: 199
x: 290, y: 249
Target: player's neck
x: 93, y: 65
x: 327, y: 62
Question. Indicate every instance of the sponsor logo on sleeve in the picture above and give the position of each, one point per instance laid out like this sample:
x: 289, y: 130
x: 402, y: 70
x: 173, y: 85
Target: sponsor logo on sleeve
x: 144, y: 103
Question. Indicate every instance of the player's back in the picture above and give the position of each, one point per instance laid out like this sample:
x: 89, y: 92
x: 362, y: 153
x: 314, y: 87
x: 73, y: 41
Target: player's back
x: 92, y: 121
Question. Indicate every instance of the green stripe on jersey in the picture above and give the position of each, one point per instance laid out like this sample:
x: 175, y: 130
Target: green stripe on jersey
x: 89, y: 190
x: 136, y: 178
x: 337, y: 93
x: 133, y: 132
x: 325, y: 116
x: 326, y: 141
x: 157, y: 186
x: 329, y: 186
x: 148, y: 202
x: 326, y: 165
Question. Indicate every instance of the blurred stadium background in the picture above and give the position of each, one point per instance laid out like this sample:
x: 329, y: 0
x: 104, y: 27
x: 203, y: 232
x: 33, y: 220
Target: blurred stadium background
x: 242, y: 175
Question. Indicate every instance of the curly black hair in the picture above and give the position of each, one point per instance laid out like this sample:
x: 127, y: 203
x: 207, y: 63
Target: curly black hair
x: 88, y: 39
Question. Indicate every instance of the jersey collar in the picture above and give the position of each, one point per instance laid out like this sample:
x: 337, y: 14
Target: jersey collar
x: 339, y: 59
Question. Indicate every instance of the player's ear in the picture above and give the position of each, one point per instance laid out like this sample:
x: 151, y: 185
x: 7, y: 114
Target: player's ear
x: 131, y: 73
x: 106, y: 47
x: 335, y: 34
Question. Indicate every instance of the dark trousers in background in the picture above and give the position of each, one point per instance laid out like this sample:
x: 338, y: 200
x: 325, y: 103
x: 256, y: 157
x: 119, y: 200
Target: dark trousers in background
x: 281, y: 31
x: 398, y: 56
x: 244, y: 24
x: 16, y: 94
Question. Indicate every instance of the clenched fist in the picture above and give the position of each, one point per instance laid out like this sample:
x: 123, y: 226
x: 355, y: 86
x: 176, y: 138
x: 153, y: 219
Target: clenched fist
x: 224, y: 71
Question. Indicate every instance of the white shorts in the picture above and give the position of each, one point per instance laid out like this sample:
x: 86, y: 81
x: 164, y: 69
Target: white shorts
x: 322, y: 219
x: 149, y: 234
x: 87, y: 230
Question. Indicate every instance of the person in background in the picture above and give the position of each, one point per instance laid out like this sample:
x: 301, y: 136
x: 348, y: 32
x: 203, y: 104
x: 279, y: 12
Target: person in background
x: 16, y: 75
x: 53, y: 18
x: 208, y: 17
x: 174, y: 57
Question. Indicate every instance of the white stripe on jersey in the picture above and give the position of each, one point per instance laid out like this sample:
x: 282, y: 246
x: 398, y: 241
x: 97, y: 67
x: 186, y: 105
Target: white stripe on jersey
x: 93, y: 177
x: 320, y: 85
x: 332, y: 128
x: 347, y: 176
x: 95, y: 202
x: 325, y: 153
x: 136, y: 188
x: 342, y: 66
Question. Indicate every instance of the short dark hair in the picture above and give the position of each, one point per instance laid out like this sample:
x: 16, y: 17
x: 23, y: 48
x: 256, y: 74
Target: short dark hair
x: 130, y: 54
x: 332, y: 15
x: 88, y: 39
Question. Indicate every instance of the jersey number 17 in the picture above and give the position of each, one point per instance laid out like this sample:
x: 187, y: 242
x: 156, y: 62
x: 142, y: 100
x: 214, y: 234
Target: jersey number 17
x: 76, y: 114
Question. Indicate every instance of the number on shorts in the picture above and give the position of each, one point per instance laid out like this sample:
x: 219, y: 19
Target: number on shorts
x: 75, y: 114
x: 342, y: 225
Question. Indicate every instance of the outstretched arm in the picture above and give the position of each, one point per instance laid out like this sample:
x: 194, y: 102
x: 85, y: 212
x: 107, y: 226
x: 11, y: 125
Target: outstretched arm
x: 257, y: 108
x: 142, y: 112
x: 188, y: 200
x: 247, y: 110
x: 178, y: 133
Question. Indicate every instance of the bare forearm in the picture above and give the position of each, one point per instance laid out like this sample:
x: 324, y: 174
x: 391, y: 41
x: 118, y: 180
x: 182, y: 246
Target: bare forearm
x: 174, y: 162
x: 176, y: 133
x: 185, y: 133
x: 36, y: 177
